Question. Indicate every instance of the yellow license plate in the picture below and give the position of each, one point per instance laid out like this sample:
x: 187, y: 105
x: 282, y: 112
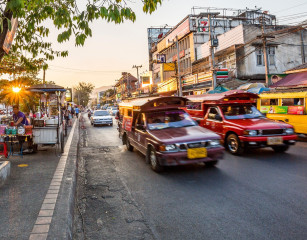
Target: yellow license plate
x: 197, y: 153
x: 275, y: 140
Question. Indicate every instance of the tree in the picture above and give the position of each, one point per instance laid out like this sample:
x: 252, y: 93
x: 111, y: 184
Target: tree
x: 82, y: 93
x: 66, y: 16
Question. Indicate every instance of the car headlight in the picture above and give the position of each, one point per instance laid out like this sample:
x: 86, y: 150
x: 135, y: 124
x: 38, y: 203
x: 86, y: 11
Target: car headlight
x: 214, y: 143
x: 170, y: 147
x: 289, y: 131
x: 251, y: 132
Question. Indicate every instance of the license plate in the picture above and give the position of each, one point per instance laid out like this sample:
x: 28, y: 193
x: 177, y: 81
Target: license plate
x: 197, y: 153
x: 275, y: 140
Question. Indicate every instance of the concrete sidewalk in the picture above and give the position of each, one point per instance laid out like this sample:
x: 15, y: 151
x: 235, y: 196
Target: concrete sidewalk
x: 24, y: 195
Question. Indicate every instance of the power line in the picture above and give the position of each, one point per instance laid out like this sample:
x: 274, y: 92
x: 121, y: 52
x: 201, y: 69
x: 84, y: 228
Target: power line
x: 286, y: 9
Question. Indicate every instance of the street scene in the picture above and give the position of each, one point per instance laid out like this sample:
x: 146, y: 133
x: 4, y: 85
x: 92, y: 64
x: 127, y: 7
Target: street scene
x: 153, y: 119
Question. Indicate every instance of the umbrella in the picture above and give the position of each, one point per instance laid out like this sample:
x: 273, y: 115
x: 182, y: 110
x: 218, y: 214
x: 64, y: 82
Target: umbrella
x: 247, y: 86
x: 219, y: 89
x: 258, y: 90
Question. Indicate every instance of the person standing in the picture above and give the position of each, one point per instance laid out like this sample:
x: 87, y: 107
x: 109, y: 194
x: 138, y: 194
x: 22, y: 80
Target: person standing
x: 77, y: 111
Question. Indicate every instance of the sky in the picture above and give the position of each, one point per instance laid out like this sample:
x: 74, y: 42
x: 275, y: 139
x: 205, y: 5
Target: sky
x: 116, y: 48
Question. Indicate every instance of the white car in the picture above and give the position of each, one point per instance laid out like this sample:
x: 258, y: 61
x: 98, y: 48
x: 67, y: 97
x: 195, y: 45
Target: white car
x: 101, y: 117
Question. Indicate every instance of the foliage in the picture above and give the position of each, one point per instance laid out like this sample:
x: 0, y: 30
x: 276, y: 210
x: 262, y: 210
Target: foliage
x: 82, y: 93
x: 27, y: 100
x: 65, y: 16
x: 109, y: 93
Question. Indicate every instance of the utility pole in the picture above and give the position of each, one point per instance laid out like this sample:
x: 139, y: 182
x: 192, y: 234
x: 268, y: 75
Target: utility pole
x: 178, y: 64
x: 128, y: 85
x: 211, y: 57
x: 265, y: 54
x: 137, y: 73
x: 302, y: 47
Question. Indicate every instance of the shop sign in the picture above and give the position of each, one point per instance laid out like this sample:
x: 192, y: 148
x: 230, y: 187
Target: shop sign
x: 296, y: 110
x: 161, y: 58
x: 68, y: 95
x: 169, y: 67
x: 145, y: 80
x: 203, y: 25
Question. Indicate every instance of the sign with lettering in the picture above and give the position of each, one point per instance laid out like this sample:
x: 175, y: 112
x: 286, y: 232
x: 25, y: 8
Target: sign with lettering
x: 296, y: 110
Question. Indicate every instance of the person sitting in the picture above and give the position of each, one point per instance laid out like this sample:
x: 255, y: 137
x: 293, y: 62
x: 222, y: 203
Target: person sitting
x: 19, y: 117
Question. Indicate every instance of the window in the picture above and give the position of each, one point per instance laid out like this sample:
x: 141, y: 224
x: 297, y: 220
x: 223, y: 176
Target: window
x: 269, y: 102
x: 260, y: 60
x: 128, y: 112
x: 194, y: 105
x: 271, y: 56
x: 240, y: 112
x: 260, y: 56
x: 213, y: 112
x: 293, y: 102
x: 140, y: 120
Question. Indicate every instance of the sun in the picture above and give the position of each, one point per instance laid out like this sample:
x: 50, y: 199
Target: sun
x: 16, y: 89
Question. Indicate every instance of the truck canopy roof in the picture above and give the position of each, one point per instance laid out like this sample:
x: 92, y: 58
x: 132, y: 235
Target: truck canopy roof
x: 232, y: 96
x: 154, y: 103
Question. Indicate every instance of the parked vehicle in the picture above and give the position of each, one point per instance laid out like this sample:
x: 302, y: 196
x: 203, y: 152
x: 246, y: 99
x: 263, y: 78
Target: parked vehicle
x: 101, y: 117
x: 235, y: 118
x: 113, y: 111
x: 166, y: 134
x: 289, y: 107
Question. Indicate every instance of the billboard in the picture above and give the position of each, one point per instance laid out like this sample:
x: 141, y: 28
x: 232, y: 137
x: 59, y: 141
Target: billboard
x: 161, y: 58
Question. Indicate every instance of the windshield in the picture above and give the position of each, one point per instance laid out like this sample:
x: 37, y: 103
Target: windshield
x: 101, y: 113
x: 241, y: 112
x: 169, y: 119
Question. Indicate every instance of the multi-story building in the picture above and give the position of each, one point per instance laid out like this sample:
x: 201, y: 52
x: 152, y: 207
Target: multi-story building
x: 126, y: 86
x: 239, y: 54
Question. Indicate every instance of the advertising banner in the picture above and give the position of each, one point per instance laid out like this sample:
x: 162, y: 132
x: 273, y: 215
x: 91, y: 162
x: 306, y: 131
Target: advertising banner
x: 274, y: 109
x: 296, y: 110
x: 127, y: 123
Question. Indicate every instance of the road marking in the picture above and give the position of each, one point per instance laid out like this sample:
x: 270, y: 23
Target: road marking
x: 22, y: 165
x: 43, y: 221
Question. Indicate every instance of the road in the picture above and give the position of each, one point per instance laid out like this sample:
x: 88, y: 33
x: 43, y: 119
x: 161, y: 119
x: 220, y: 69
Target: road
x: 261, y: 195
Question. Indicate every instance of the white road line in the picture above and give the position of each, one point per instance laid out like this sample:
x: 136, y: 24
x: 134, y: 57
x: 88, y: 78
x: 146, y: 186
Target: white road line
x: 41, y: 227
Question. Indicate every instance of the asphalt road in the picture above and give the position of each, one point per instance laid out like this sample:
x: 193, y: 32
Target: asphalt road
x: 22, y: 196
x: 261, y: 195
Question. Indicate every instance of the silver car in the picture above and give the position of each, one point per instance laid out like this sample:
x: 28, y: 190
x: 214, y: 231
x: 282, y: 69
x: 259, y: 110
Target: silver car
x: 101, y: 117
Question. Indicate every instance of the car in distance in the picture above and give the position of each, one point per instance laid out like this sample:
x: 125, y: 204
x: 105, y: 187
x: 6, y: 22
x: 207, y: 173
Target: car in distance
x: 113, y: 111
x: 101, y: 117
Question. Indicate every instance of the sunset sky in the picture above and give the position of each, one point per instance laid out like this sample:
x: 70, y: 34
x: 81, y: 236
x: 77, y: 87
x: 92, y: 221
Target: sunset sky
x: 116, y: 48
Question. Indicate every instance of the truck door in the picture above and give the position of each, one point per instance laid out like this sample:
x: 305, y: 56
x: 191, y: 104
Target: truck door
x: 140, y: 133
x: 214, y: 120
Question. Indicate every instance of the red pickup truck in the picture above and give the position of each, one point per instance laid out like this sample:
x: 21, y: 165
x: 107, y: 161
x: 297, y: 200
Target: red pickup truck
x: 235, y: 118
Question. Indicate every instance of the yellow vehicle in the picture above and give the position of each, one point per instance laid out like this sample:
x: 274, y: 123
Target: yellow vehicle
x: 289, y: 107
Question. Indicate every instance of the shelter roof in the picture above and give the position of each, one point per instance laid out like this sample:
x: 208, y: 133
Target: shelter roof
x: 292, y: 80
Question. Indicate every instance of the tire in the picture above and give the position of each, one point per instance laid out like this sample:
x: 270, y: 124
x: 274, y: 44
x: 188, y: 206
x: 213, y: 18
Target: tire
x: 128, y: 145
x: 94, y: 125
x: 153, y: 160
x: 111, y: 124
x: 211, y: 163
x: 233, y: 144
x: 280, y: 149
x: 62, y: 143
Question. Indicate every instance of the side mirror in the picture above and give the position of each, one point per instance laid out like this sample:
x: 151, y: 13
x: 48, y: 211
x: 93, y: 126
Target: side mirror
x: 218, y: 117
x: 140, y: 127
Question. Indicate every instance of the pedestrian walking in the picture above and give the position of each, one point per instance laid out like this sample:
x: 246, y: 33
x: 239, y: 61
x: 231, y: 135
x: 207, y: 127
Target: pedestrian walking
x: 77, y: 111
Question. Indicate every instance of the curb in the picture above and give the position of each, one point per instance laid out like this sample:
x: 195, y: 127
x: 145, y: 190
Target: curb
x: 5, y: 171
x: 62, y: 222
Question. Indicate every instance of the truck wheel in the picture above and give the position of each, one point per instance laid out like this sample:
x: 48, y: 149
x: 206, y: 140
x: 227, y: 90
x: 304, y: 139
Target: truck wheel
x: 280, y: 149
x: 128, y: 145
x: 153, y: 160
x: 211, y: 163
x: 233, y: 144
